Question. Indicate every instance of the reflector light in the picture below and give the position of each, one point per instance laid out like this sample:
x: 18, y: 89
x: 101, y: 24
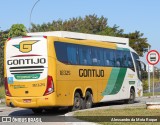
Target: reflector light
x: 50, y: 87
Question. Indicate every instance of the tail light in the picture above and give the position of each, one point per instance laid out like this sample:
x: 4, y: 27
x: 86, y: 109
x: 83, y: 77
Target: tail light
x: 6, y: 87
x: 45, y: 37
x: 50, y: 86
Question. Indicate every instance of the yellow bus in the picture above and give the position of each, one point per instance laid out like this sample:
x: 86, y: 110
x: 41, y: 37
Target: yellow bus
x: 55, y: 69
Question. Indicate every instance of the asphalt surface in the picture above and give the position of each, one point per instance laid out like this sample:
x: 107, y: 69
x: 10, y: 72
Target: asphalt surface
x: 157, y: 89
x: 59, y: 116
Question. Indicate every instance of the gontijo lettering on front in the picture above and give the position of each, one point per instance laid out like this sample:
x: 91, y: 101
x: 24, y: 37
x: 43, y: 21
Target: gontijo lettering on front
x: 54, y: 69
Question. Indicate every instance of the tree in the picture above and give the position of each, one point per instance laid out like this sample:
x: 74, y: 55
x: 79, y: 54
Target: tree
x: 137, y: 42
x: 94, y: 25
x: 17, y: 30
x: 89, y: 24
x: 3, y: 38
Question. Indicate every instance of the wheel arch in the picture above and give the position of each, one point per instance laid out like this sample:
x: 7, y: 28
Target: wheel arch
x: 132, y: 87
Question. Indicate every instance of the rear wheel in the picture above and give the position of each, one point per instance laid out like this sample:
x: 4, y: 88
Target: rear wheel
x: 88, y: 100
x: 37, y: 110
x: 132, y: 97
x: 78, y: 102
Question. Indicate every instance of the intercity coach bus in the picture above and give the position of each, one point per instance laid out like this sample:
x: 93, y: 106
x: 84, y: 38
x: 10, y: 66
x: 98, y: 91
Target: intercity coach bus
x: 56, y: 69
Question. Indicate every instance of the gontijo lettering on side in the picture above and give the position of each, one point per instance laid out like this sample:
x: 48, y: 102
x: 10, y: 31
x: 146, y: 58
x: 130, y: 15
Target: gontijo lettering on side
x: 91, y: 73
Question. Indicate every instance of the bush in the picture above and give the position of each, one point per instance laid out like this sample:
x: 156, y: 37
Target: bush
x: 2, y: 92
x: 145, y: 85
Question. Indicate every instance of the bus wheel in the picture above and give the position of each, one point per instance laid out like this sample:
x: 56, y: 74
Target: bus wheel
x: 88, y: 100
x: 132, y: 97
x: 37, y: 110
x: 78, y: 101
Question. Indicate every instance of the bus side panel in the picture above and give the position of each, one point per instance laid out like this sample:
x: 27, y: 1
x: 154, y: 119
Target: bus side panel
x: 52, y: 67
x: 70, y: 78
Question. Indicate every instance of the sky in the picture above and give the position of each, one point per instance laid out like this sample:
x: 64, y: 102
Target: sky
x: 130, y: 15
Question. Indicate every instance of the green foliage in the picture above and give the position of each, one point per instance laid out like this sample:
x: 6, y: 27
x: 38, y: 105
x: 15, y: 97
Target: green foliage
x: 151, y: 93
x: 94, y: 25
x: 3, y: 38
x: 2, y: 92
x: 145, y: 85
x: 17, y: 30
x: 14, y: 31
x: 89, y: 24
x: 137, y: 42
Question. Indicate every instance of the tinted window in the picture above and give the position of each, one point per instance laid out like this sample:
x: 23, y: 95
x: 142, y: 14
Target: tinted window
x: 69, y: 53
x: 127, y: 59
x: 84, y: 55
x: 61, y: 52
x: 72, y: 53
x: 138, y: 65
x: 119, y: 57
x: 97, y: 56
x: 109, y: 57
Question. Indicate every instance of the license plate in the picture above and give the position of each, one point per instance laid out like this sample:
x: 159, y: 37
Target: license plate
x: 27, y: 100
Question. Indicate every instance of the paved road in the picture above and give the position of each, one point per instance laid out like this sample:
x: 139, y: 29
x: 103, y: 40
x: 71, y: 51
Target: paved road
x: 51, y: 115
x: 157, y: 89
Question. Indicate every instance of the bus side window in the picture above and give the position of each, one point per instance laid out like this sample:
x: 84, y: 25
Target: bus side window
x: 124, y: 59
x: 61, y: 52
x: 94, y: 56
x: 72, y: 54
x: 97, y: 56
x: 137, y: 64
x: 106, y: 57
x: 109, y: 57
x: 112, y: 57
x: 100, y: 57
x: 130, y: 61
x: 118, y: 58
x: 84, y: 55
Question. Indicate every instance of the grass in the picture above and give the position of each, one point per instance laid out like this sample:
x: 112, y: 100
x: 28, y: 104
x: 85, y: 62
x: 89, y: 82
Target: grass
x: 117, y: 112
x: 151, y: 93
x: 156, y: 81
x: 2, y: 92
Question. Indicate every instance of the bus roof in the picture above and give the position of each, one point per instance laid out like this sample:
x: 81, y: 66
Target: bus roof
x: 83, y: 36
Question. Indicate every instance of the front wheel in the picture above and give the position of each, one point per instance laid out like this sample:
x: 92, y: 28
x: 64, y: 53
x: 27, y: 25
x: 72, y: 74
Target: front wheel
x: 132, y: 97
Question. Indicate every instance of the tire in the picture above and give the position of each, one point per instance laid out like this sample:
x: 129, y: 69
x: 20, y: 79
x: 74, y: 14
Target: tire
x: 37, y: 110
x: 78, y: 102
x: 132, y: 97
x: 88, y: 100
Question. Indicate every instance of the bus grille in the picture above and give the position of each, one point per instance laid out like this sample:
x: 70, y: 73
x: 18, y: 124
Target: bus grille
x: 26, y: 70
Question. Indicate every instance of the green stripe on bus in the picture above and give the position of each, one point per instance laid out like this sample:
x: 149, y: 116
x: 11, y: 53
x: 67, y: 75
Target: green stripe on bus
x: 111, y: 81
x: 119, y: 81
